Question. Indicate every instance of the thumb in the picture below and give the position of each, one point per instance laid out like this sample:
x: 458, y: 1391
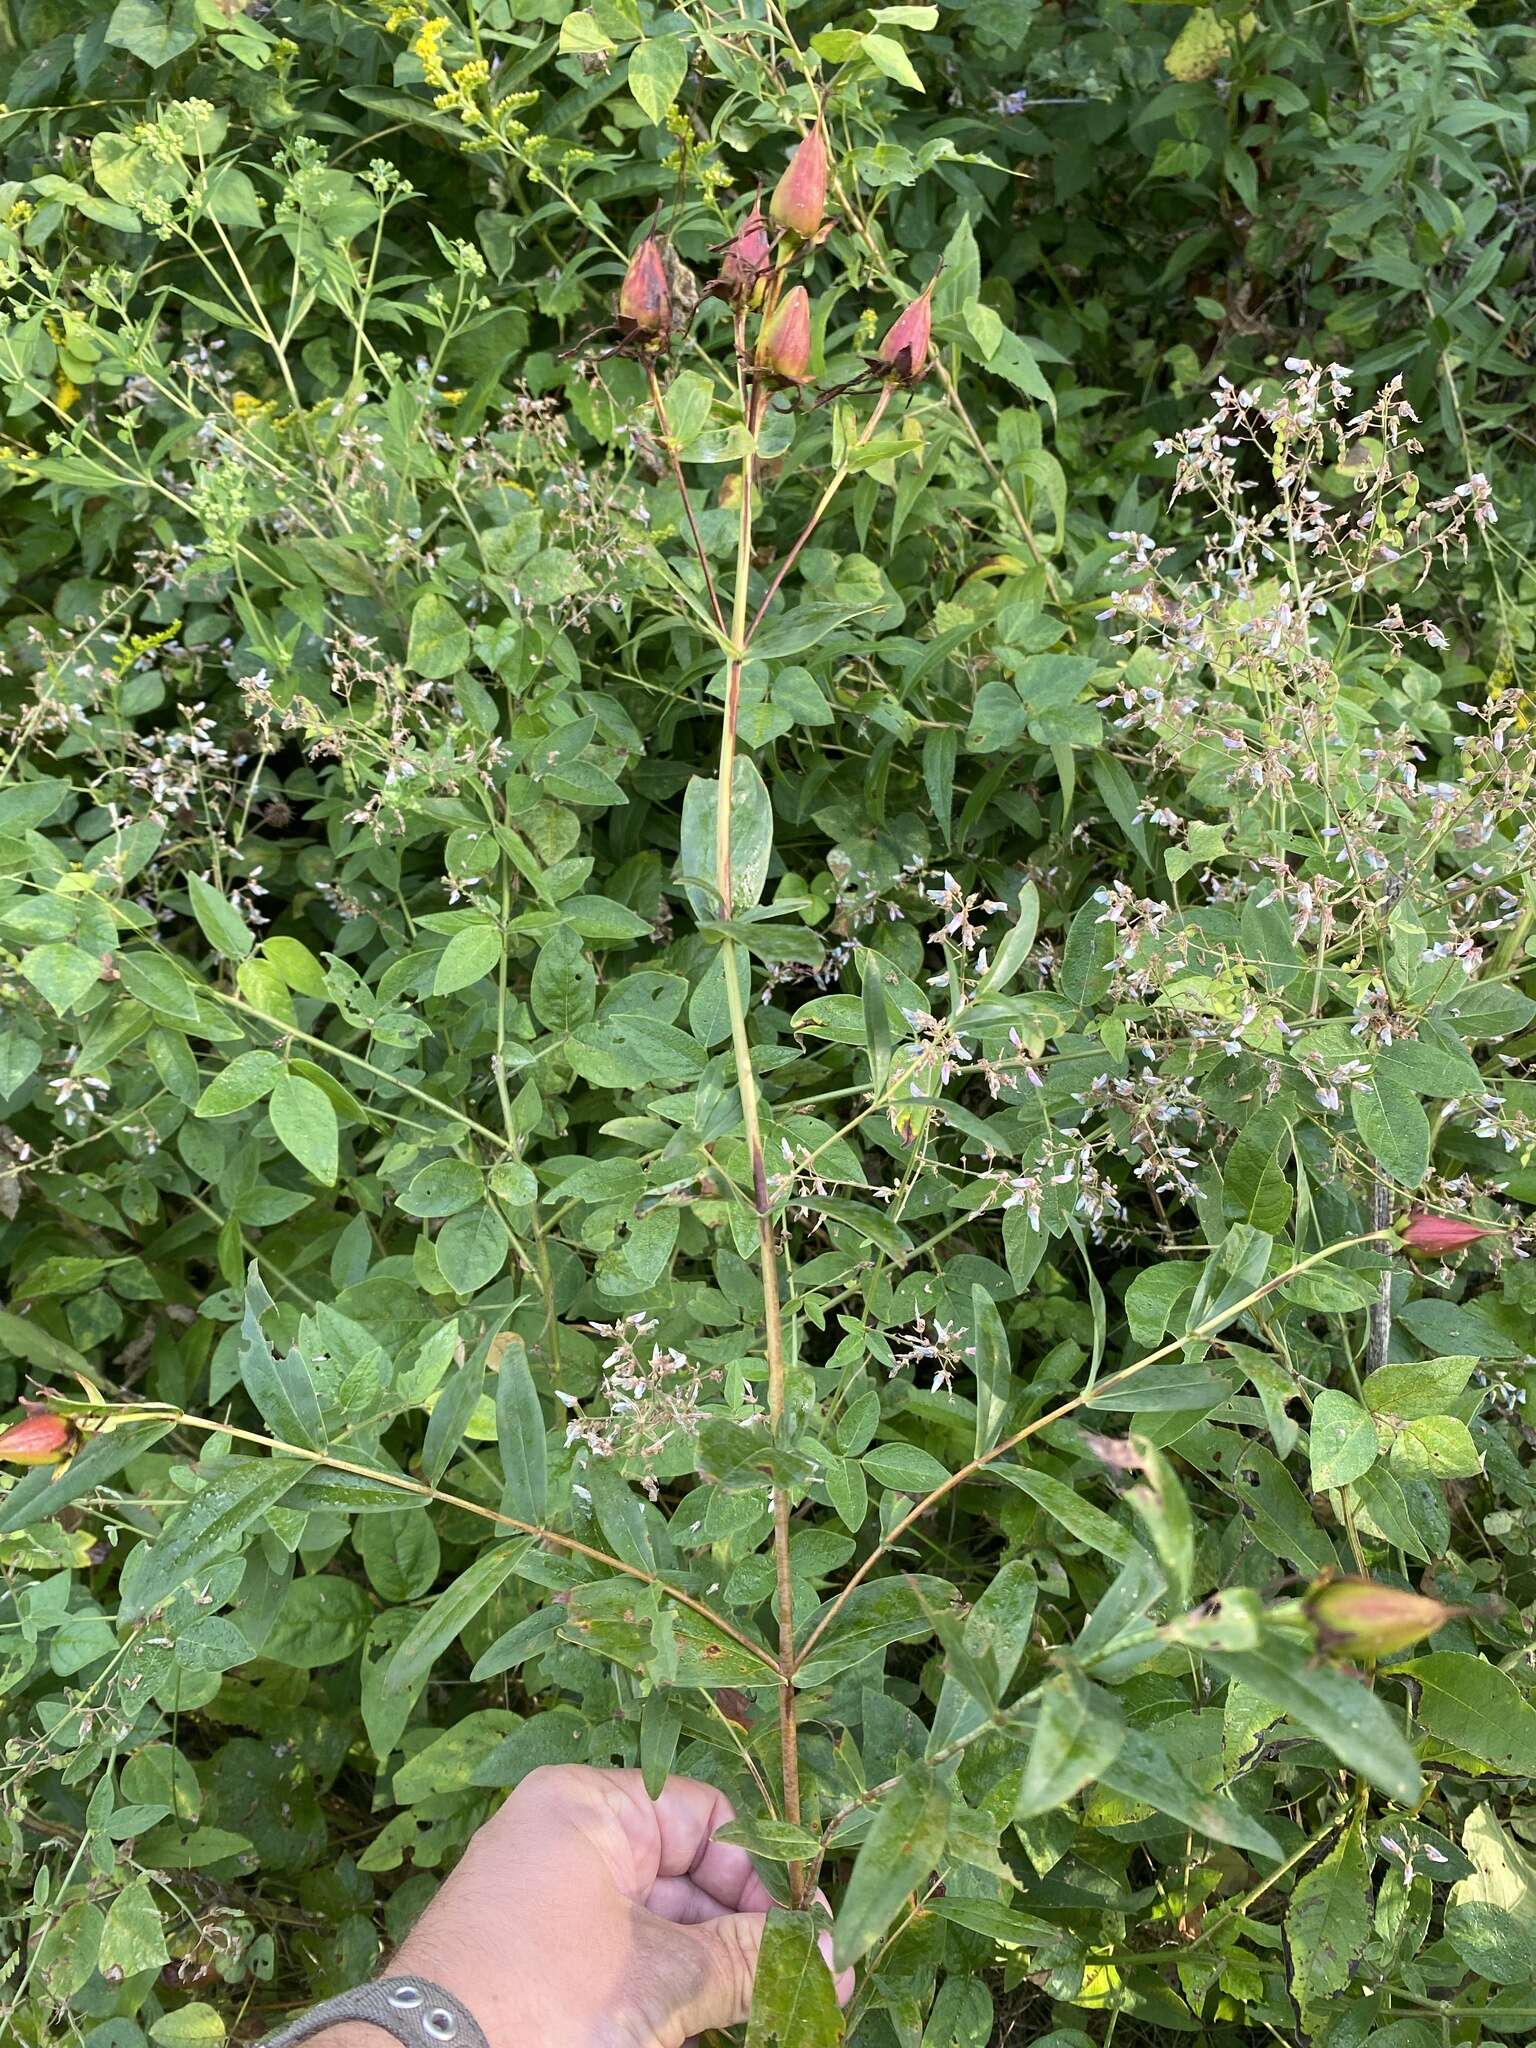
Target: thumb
x: 714, y: 1964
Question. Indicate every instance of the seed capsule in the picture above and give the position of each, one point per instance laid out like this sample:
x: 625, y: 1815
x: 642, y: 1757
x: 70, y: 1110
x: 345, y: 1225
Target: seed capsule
x: 904, y: 350
x: 1359, y: 1617
x: 747, y: 261
x: 1432, y: 1236
x: 41, y: 1440
x: 784, y: 345
x: 645, y: 300
x: 799, y: 200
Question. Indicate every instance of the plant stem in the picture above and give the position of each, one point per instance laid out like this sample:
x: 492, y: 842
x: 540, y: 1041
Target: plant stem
x: 833, y: 487
x: 279, y: 1448
x: 1070, y: 1407
x: 682, y: 490
x: 746, y: 1082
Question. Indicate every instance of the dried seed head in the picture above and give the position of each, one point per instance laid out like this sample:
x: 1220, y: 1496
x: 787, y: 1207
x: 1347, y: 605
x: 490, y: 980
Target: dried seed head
x: 747, y: 261
x: 799, y: 200
x: 43, y: 1439
x: 645, y: 300
x: 1356, y: 1617
x: 1429, y: 1236
x: 904, y: 350
x: 784, y: 344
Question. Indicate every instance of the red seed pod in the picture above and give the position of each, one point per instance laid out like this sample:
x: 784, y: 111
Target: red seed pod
x: 784, y: 346
x: 799, y: 200
x: 1429, y: 1236
x: 645, y: 299
x: 747, y: 261
x: 43, y: 1439
x: 904, y: 351
x: 1358, y: 1617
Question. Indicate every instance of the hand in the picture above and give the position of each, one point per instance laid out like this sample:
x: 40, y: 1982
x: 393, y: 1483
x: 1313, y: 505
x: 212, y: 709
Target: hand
x: 586, y: 1915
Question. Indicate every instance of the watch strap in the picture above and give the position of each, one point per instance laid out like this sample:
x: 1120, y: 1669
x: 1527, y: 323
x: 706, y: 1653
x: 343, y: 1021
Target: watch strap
x: 413, y: 2010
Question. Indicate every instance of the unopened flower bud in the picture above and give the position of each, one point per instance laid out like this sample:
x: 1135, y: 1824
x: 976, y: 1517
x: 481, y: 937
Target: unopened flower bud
x: 904, y: 350
x: 1429, y: 1236
x: 43, y: 1439
x: 784, y: 345
x: 645, y: 301
x: 1359, y: 1618
x: 799, y: 200
x: 747, y: 260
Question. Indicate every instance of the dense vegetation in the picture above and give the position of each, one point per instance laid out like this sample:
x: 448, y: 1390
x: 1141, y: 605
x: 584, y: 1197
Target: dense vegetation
x: 978, y: 1298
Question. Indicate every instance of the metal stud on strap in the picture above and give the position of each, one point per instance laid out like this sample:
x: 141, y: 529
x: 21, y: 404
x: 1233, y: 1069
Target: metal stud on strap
x: 414, y: 2012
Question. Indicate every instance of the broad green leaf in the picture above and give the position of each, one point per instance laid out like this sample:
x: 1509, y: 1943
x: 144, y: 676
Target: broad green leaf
x: 1342, y: 1441
x: 904, y: 1843
x: 472, y: 1248
x: 159, y: 985
x: 1435, y: 1447
x: 1410, y: 1391
x: 62, y: 974
x: 304, y: 1119
x: 213, y: 1524
x: 222, y: 925
x: 248, y: 1078
x: 1142, y: 1769
x: 1334, y: 1706
x: 657, y: 68
x: 132, y: 1939
x: 751, y: 837
x: 468, y: 957
x: 1490, y: 1918
x: 1468, y: 1705
x: 1077, y: 1735
x: 1328, y: 1921
x: 563, y: 989
x: 1393, y: 1126
x: 439, y: 642
x: 323, y: 1619
x: 794, y: 2000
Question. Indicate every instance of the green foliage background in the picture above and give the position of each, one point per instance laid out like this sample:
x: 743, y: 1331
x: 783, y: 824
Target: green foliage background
x: 1113, y: 968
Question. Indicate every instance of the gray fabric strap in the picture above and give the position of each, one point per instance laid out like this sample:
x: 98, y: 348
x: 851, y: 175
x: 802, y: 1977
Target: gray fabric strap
x: 417, y: 2013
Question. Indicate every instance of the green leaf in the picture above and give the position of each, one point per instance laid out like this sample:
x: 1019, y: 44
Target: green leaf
x: 520, y: 1436
x: 132, y: 1939
x: 904, y: 1843
x: 304, y: 1119
x: 1077, y: 1736
x: 62, y: 975
x: 248, y: 1078
x: 439, y: 643
x: 467, y: 958
x: 1328, y: 1921
x: 1347, y: 1718
x: 1435, y: 1447
x: 751, y: 841
x: 1393, y: 1126
x: 159, y: 985
x: 442, y: 1188
x: 472, y: 1248
x: 1411, y: 1391
x: 1143, y: 1769
x: 450, y: 1613
x: 154, y: 31
x: 794, y: 1999
x: 212, y: 1525
x: 222, y: 925
x: 563, y: 990
x: 993, y: 1367
x: 656, y: 72
x: 1490, y: 1918
x: 1470, y: 1706
x: 1342, y: 1441
x: 322, y: 1620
